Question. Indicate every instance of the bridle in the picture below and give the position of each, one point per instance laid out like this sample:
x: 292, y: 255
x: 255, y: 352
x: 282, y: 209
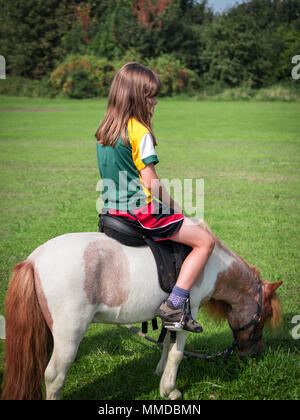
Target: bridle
x: 254, y: 322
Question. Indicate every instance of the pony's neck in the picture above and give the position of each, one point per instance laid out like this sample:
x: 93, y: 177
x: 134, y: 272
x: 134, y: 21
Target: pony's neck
x: 237, y: 284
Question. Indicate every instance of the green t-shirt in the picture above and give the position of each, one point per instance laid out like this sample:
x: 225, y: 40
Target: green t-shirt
x: 119, y: 168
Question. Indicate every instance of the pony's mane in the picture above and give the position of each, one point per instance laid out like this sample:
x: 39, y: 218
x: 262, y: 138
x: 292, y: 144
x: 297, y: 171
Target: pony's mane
x: 217, y: 309
x: 275, y: 320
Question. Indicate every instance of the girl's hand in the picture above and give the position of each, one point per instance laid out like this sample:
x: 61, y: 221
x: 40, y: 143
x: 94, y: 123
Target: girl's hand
x: 151, y: 181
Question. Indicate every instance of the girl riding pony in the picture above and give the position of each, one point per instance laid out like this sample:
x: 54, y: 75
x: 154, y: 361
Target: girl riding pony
x: 132, y: 190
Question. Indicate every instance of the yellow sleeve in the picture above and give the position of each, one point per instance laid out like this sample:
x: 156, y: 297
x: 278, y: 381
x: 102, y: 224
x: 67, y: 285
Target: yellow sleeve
x: 143, y: 150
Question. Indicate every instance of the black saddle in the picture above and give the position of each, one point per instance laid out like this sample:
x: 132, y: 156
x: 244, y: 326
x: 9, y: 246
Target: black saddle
x: 168, y: 255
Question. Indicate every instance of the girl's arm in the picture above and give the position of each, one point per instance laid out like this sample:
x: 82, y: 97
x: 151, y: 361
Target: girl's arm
x: 151, y: 181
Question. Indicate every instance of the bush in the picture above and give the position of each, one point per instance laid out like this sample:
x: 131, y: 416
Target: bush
x: 88, y: 76
x: 175, y: 78
x: 281, y: 92
x: 83, y: 77
x: 21, y: 86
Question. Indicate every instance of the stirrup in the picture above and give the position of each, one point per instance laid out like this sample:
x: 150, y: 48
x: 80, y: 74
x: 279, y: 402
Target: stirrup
x: 179, y: 325
x: 173, y: 326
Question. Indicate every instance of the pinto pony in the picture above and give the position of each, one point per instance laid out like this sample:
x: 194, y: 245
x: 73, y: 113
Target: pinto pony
x: 79, y: 278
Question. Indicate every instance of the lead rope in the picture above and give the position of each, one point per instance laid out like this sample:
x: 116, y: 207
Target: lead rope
x: 225, y: 354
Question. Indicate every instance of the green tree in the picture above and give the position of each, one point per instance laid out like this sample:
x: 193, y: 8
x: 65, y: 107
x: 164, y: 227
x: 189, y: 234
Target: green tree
x: 239, y: 47
x: 31, y: 34
x: 116, y: 30
x: 288, y: 45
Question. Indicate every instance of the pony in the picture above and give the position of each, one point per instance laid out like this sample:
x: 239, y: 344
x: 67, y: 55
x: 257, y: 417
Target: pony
x: 78, y: 278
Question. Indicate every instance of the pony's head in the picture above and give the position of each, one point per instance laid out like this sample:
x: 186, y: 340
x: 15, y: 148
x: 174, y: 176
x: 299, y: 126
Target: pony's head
x: 249, y: 340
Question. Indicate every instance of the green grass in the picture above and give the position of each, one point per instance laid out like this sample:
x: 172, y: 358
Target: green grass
x: 248, y: 155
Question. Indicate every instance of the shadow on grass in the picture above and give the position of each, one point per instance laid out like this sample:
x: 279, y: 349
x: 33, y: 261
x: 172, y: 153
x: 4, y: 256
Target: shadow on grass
x: 127, y: 376
x: 282, y: 338
x: 130, y: 373
x: 132, y: 378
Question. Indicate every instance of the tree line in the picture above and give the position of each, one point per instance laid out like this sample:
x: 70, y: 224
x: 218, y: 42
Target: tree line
x: 251, y: 43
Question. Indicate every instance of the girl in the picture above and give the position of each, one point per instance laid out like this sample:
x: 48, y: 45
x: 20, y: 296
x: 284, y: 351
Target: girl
x: 126, y: 159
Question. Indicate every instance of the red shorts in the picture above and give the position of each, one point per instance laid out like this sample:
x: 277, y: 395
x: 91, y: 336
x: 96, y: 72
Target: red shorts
x: 155, y: 219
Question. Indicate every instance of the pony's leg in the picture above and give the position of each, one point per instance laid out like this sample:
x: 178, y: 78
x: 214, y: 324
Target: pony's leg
x: 163, y: 360
x: 168, y: 380
x: 64, y: 352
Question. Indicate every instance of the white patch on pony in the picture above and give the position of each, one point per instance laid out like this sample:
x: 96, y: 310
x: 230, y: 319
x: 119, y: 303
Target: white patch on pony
x: 60, y: 264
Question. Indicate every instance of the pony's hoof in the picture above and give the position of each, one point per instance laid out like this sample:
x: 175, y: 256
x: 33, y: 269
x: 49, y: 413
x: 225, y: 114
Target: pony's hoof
x: 175, y: 395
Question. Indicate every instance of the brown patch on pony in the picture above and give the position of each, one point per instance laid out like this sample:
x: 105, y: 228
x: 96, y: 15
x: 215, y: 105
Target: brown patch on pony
x: 231, y: 286
x: 106, y: 273
x: 255, y: 272
x: 42, y: 300
x: 28, y: 338
x: 234, y: 282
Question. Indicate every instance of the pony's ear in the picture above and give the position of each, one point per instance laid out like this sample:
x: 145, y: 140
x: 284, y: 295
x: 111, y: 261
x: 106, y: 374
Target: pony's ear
x: 270, y: 288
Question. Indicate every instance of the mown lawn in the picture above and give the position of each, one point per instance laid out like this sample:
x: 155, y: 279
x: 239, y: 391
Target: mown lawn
x: 248, y: 154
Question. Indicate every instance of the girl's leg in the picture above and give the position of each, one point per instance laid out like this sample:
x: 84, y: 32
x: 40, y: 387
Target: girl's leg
x: 202, y: 244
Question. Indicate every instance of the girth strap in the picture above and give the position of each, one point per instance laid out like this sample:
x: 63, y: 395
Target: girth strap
x: 162, y: 336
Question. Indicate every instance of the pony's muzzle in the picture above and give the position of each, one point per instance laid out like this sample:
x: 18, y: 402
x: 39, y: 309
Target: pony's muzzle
x: 253, y: 351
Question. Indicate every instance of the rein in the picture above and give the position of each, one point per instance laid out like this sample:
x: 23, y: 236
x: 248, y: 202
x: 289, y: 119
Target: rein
x: 225, y: 354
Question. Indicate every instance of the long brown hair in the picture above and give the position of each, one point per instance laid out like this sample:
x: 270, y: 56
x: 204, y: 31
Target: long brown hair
x: 132, y: 88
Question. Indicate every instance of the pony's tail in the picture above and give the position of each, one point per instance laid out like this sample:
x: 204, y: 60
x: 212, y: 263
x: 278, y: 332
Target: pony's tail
x: 28, y: 338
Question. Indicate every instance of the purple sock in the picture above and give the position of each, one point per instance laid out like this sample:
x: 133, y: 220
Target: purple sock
x: 178, y: 296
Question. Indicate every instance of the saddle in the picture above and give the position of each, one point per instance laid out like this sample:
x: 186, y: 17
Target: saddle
x: 168, y: 255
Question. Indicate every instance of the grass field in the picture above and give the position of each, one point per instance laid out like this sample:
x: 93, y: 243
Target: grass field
x: 248, y: 154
